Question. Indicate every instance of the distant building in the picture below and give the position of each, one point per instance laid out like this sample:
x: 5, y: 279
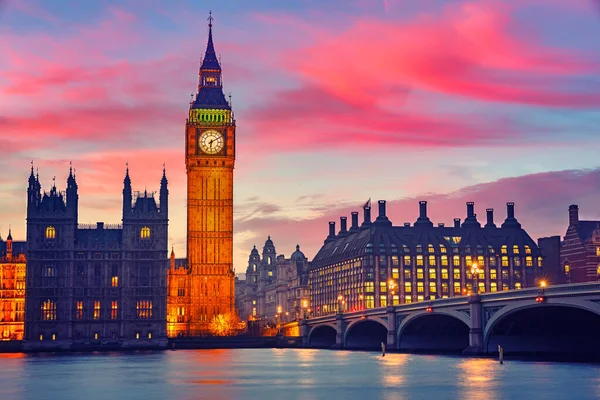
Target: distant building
x: 12, y: 288
x: 95, y: 284
x: 552, y: 271
x: 580, y: 250
x: 276, y: 288
x: 355, y: 267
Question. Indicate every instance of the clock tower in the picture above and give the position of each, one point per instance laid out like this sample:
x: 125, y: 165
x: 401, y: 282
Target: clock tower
x: 209, y: 159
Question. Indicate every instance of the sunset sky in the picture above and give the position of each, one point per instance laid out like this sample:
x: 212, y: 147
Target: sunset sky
x: 336, y: 101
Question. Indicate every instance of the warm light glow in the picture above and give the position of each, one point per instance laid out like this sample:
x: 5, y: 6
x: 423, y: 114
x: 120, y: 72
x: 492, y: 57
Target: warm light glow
x: 543, y: 284
x: 305, y: 304
x: 278, y: 309
x: 50, y: 232
x: 145, y: 233
x: 475, y: 269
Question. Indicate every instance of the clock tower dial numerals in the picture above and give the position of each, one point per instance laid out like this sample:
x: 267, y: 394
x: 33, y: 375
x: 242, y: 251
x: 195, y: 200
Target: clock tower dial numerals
x: 211, y: 142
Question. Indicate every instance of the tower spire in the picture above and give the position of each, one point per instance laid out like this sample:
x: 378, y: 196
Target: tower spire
x: 210, y: 61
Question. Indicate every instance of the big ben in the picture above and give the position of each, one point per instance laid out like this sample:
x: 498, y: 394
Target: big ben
x: 209, y: 158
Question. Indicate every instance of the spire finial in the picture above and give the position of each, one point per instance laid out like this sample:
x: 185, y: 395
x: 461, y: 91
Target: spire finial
x: 127, y: 167
x: 31, y: 167
x: 210, y: 19
x: 54, y: 182
x: 70, y: 167
x: 37, y: 174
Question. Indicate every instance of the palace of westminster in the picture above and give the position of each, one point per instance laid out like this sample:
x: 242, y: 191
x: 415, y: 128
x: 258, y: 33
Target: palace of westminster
x: 71, y: 285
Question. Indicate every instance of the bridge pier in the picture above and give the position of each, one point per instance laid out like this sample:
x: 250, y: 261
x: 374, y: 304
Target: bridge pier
x: 476, y: 331
x: 391, y: 336
x: 304, y: 331
x: 339, y: 327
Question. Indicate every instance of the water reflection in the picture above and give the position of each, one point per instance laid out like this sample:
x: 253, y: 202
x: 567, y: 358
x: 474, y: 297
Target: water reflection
x: 478, y: 378
x: 393, y: 365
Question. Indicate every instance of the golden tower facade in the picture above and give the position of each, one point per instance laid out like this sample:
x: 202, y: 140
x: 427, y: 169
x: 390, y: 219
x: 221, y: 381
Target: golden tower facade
x: 209, y: 158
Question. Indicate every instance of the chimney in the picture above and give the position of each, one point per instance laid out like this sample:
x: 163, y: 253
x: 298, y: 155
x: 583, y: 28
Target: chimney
x: 100, y: 225
x: 510, y: 221
x: 441, y: 225
x: 490, y: 218
x: 573, y: 214
x: 331, y: 236
x: 510, y: 210
x: 382, y: 208
x: 423, y: 219
x: 354, y: 226
x: 367, y: 217
x: 407, y: 224
x: 457, y: 222
x: 470, y: 209
x: 343, y: 226
x: 382, y: 219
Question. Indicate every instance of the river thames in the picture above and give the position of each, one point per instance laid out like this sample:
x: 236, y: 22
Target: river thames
x: 288, y: 374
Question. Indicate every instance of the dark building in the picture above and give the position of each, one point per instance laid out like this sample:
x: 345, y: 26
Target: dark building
x: 376, y: 263
x: 95, y: 284
x: 580, y: 250
x: 552, y: 270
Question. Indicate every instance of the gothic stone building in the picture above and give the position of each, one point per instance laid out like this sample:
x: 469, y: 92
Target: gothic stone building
x: 95, y: 285
x: 354, y: 268
x: 12, y: 288
x: 580, y: 250
x: 276, y: 288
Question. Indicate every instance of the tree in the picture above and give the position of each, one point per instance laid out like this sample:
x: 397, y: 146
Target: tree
x: 224, y: 324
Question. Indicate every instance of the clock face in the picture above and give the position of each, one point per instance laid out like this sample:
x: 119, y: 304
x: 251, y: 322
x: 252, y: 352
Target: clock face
x: 211, y: 142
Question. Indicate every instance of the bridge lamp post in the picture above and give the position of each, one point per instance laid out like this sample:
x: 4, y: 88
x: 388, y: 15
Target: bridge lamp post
x: 361, y: 301
x: 341, y: 301
x: 391, y: 287
x: 279, y: 319
x: 304, y: 307
x: 475, y: 273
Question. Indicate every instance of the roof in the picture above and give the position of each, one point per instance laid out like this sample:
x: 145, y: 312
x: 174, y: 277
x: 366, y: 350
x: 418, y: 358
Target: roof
x: 210, y: 56
x: 211, y: 97
x: 473, y: 239
x: 18, y: 248
x: 106, y: 236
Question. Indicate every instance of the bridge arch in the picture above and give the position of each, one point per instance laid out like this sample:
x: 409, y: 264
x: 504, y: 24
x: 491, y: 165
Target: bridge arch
x: 439, y: 331
x: 322, y: 336
x: 561, y: 327
x: 366, y: 334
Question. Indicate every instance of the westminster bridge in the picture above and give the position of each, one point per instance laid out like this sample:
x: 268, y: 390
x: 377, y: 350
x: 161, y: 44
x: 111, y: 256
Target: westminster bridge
x: 556, y: 319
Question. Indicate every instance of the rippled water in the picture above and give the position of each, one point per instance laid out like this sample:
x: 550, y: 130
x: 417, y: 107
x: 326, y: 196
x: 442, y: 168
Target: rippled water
x: 288, y: 374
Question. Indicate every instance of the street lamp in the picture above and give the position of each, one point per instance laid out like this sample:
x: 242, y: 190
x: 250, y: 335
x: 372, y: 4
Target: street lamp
x: 361, y: 302
x: 391, y: 287
x: 304, y: 307
x: 341, y: 301
x: 475, y: 273
x: 279, y: 319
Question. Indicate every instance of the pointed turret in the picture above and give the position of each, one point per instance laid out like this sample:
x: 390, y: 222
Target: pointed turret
x: 72, y: 195
x: 33, y: 192
x: 164, y: 194
x: 127, y: 193
x: 210, y: 86
x: 172, y: 258
x: 9, y: 247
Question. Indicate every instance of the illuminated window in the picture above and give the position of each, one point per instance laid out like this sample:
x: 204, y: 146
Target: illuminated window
x: 114, y: 281
x: 515, y: 249
x: 430, y: 249
x: 253, y: 302
x: 505, y: 286
x: 95, y: 335
x: 517, y: 262
x: 432, y: 274
x: 567, y: 268
x: 382, y: 287
x: 456, y: 273
x: 270, y: 273
x: 504, y: 261
x: 444, y: 260
x: 407, y: 299
x: 432, y: 287
x: 457, y: 287
x: 442, y: 248
x: 444, y: 273
x: 96, y: 309
x: 114, y: 309
x: 370, y: 301
x: 540, y: 261
x: 493, y: 274
x: 492, y: 261
x: 395, y: 299
x: 48, y: 310
x: 137, y: 335
x: 407, y: 273
x: 420, y: 287
x: 518, y: 285
x: 145, y: 233
x: 419, y: 273
x: 493, y: 287
x: 407, y: 287
x: 529, y: 261
x: 253, y: 267
x: 54, y: 336
x: 456, y: 261
x: 143, y: 309
x: 504, y: 249
x: 420, y: 260
x: 444, y: 287
x: 420, y: 297
x: 269, y: 260
x: 253, y: 312
x: 527, y: 250
x: 370, y: 287
x: 394, y: 261
x: 407, y: 260
x: 432, y: 261
x: 211, y: 79
x: 50, y: 232
x: 79, y: 310
x: 468, y: 261
x: 41, y: 337
x: 480, y: 261
x: 598, y: 251
x: 149, y: 335
x: 481, y: 287
x: 181, y: 314
x: 395, y: 273
x: 456, y: 239
x: 382, y: 301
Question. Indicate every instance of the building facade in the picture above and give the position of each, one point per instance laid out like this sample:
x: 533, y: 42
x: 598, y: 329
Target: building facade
x: 209, y: 159
x: 580, y: 249
x: 92, y: 285
x: 12, y: 288
x: 376, y: 263
x: 276, y: 288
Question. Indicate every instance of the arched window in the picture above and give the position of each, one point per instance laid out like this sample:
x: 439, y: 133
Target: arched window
x: 515, y: 249
x: 145, y: 233
x: 50, y: 232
